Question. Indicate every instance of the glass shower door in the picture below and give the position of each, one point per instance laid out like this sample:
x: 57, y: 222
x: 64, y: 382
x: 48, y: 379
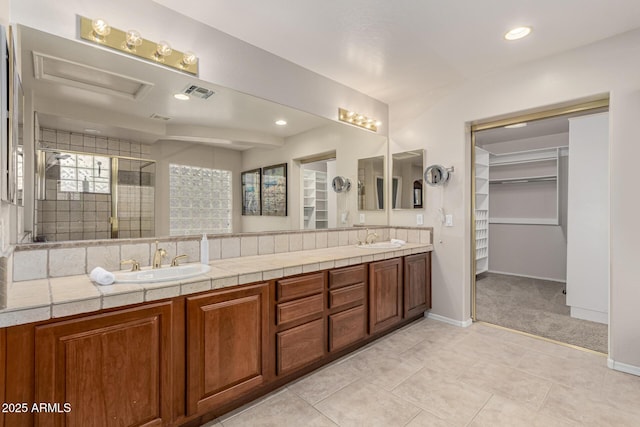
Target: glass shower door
x: 134, y: 199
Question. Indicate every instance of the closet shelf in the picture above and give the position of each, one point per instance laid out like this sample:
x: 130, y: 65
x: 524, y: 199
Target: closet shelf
x: 529, y: 156
x: 524, y: 179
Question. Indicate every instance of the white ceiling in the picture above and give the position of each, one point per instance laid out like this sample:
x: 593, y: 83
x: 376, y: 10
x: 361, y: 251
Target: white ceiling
x: 402, y: 50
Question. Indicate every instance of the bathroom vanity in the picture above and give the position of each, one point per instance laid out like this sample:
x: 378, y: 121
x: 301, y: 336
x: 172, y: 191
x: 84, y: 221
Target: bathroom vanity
x: 218, y: 344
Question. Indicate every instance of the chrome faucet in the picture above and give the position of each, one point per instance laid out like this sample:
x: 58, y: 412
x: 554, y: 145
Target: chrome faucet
x: 175, y: 261
x: 158, y: 255
x: 371, y: 237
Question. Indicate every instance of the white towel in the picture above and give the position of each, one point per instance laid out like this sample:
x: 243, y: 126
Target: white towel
x: 398, y: 241
x: 102, y: 276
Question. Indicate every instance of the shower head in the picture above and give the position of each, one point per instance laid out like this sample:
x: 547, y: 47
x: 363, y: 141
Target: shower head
x: 55, y: 159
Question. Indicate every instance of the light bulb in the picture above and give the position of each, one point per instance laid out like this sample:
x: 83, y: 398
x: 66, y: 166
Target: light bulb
x: 133, y: 39
x: 189, y: 58
x: 101, y: 28
x: 163, y: 49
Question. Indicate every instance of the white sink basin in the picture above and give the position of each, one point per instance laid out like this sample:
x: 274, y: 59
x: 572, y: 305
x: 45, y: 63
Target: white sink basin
x: 162, y: 274
x: 379, y: 245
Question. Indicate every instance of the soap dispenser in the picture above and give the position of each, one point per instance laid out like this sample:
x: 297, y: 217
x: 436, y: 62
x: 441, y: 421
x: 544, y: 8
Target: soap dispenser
x: 204, y: 249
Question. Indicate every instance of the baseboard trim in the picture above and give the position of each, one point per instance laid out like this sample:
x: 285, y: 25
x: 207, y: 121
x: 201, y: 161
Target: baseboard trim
x: 623, y: 367
x: 448, y: 320
x: 527, y: 276
x: 591, y: 315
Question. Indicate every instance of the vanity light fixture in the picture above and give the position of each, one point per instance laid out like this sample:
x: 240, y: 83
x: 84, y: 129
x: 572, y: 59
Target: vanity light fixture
x: 130, y: 42
x: 181, y: 96
x: 516, y: 125
x: 359, y: 120
x: 517, y: 33
x: 281, y: 122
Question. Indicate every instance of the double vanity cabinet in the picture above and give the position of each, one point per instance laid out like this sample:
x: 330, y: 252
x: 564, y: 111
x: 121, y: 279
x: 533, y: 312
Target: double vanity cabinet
x: 185, y: 360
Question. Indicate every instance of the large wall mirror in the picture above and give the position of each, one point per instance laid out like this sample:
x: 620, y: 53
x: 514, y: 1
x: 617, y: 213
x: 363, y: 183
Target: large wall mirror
x: 407, y: 191
x: 371, y: 187
x: 93, y: 105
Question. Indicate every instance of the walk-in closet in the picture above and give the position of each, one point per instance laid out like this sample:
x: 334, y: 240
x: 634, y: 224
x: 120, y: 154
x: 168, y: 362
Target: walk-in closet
x: 541, y: 200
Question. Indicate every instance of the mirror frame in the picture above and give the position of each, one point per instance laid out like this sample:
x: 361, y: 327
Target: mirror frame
x: 436, y: 175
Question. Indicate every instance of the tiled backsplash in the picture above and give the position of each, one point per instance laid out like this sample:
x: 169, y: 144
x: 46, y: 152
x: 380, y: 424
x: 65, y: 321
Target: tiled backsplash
x: 39, y: 261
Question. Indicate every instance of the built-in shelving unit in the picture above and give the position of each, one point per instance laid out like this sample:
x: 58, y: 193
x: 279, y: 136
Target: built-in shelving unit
x: 482, y: 210
x: 525, y: 186
x: 316, y: 213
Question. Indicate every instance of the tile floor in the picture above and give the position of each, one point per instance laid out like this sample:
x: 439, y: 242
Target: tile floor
x: 433, y: 374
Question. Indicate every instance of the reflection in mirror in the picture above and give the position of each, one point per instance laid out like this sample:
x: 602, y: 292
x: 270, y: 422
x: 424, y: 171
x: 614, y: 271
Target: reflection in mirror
x: 18, y: 154
x: 134, y: 115
x: 371, y: 184
x: 406, y: 180
x: 437, y: 175
x: 319, y: 209
x: 88, y: 196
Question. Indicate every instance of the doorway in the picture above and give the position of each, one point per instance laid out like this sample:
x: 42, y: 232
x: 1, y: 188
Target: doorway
x: 318, y: 201
x: 528, y: 215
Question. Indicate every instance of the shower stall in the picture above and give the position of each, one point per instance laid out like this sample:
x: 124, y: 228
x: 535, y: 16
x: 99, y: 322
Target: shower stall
x: 84, y: 196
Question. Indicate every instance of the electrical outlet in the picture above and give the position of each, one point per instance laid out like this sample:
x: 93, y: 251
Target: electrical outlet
x: 361, y: 218
x: 419, y: 219
x: 448, y: 220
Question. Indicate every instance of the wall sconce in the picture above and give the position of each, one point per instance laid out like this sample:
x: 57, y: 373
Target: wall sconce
x: 98, y: 31
x: 353, y: 118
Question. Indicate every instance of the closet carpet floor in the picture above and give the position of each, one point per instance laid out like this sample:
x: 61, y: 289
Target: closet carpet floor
x: 537, y: 307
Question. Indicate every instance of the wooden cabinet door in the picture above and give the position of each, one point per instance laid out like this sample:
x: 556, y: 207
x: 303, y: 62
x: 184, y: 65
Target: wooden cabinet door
x: 114, y: 369
x: 385, y: 294
x: 417, y: 284
x: 300, y: 346
x: 347, y: 327
x: 227, y: 337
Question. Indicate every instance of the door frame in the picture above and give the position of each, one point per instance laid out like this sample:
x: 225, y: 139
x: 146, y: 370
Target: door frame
x: 476, y: 126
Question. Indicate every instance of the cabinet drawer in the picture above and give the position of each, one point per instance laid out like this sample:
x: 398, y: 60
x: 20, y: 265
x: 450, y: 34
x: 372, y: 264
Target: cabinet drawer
x: 300, y: 286
x: 297, y: 309
x: 346, y: 327
x: 349, y: 294
x: 346, y: 276
x: 299, y: 346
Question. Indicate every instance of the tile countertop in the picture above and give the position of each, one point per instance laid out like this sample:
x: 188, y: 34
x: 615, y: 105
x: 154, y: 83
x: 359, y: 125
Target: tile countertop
x: 37, y: 300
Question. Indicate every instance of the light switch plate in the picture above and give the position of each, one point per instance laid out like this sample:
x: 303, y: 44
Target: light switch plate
x: 448, y: 220
x: 419, y: 219
x: 361, y: 218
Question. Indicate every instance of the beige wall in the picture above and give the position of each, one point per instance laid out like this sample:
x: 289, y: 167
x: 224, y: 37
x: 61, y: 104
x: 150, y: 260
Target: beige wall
x: 611, y: 66
x: 350, y: 144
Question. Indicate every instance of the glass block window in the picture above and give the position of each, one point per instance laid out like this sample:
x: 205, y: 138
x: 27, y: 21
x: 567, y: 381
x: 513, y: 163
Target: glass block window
x: 200, y: 200
x: 84, y: 173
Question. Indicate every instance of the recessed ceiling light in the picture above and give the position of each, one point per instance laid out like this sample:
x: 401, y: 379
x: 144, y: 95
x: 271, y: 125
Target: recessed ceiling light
x: 516, y: 125
x: 181, y: 96
x: 517, y: 33
x: 281, y: 122
x: 92, y: 131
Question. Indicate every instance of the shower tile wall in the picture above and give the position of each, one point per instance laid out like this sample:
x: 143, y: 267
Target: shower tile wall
x: 82, y: 216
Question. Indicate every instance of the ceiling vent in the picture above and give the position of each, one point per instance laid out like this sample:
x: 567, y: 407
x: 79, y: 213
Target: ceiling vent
x: 198, y: 92
x: 159, y: 117
x: 62, y: 71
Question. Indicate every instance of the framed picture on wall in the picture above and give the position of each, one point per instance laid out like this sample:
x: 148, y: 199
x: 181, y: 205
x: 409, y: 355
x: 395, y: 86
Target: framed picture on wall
x: 251, y: 187
x: 274, y: 190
